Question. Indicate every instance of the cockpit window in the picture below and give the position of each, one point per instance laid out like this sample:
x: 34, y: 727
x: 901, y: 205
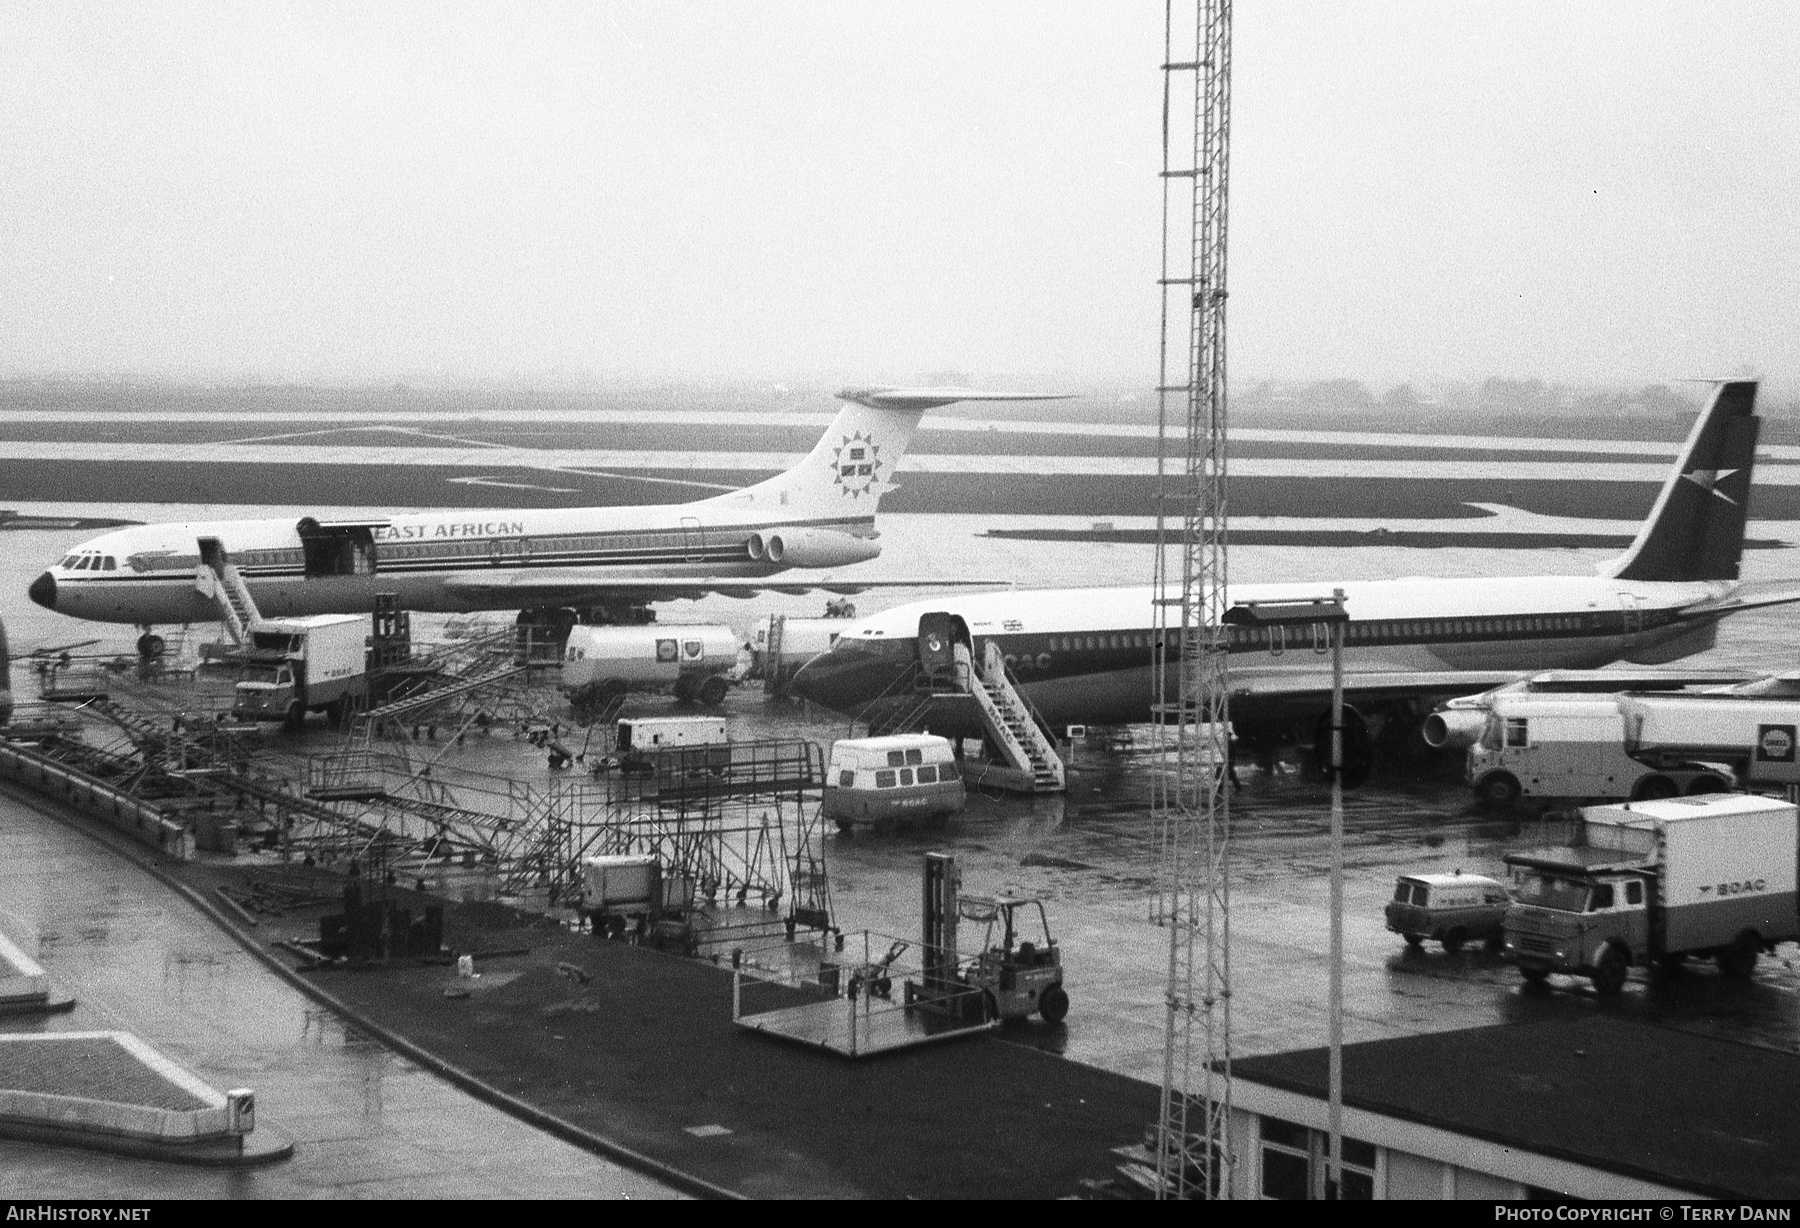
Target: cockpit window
x: 82, y: 563
x: 108, y: 564
x: 68, y: 564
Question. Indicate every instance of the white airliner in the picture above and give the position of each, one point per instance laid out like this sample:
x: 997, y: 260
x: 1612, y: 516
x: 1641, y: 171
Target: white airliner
x: 1084, y: 656
x: 605, y: 562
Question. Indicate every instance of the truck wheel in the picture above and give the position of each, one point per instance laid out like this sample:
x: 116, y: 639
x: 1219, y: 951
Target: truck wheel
x: 1498, y: 789
x: 712, y: 691
x: 1053, y: 1004
x: 684, y: 689
x: 1414, y: 940
x: 1738, y: 960
x: 1654, y: 788
x: 1453, y: 941
x: 1706, y: 784
x: 1495, y: 941
x: 1533, y: 975
x: 334, y: 712
x: 296, y: 714
x: 1609, y: 973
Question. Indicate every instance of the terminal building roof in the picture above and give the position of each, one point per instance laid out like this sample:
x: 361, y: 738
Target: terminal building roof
x: 1712, y: 1116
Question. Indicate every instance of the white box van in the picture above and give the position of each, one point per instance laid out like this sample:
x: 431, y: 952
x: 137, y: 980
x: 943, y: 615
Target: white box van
x: 882, y: 780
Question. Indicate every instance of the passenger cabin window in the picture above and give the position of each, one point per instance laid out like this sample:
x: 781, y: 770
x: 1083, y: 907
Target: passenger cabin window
x: 884, y: 779
x: 906, y: 776
x: 1602, y: 897
x: 915, y: 756
x: 928, y: 775
x: 1634, y: 892
x: 896, y: 758
x: 846, y: 779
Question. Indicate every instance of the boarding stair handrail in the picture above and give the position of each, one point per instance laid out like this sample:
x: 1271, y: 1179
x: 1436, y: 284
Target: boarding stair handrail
x: 1012, y: 723
x: 223, y: 584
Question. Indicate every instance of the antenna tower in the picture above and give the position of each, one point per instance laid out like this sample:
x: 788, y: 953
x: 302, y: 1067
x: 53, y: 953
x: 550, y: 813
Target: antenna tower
x: 1191, y: 807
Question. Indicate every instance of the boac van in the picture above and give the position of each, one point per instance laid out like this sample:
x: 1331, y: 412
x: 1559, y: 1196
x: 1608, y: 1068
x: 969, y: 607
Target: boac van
x: 883, y: 780
x: 1449, y: 908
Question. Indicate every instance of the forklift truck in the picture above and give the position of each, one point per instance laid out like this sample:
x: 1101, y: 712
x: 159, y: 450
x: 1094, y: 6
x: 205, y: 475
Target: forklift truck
x: 1018, y: 971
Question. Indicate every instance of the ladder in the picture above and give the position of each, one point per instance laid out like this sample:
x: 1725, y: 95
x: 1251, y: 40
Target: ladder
x: 219, y: 581
x: 1010, y: 721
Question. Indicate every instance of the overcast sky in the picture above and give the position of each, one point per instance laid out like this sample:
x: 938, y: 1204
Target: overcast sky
x: 371, y: 191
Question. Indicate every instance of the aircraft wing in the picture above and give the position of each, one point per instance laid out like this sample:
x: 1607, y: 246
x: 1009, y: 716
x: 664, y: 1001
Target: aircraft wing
x: 544, y: 587
x: 1744, y: 597
x: 1309, y: 690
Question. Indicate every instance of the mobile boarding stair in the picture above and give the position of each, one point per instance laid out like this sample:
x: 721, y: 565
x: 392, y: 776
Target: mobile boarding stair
x: 218, y: 579
x: 1029, y: 761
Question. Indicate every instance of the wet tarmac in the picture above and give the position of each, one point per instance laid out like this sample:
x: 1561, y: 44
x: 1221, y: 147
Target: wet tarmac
x: 366, y: 1123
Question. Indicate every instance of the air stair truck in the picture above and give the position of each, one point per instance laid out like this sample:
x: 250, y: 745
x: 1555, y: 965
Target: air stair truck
x: 292, y: 666
x: 1656, y: 882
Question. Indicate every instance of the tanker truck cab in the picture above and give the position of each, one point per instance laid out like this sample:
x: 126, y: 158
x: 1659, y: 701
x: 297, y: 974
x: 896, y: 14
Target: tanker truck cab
x: 880, y: 781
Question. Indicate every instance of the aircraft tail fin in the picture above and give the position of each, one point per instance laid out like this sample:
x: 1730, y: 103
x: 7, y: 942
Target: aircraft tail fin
x: 854, y: 462
x: 1696, y: 529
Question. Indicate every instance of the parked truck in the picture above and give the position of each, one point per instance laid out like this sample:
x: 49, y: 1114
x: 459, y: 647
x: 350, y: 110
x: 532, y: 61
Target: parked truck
x: 1657, y: 882
x: 1751, y: 733
x: 1578, y: 746
x: 692, y: 662
x: 292, y: 666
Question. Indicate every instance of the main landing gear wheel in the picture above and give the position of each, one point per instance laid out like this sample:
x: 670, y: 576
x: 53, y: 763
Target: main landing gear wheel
x: 150, y: 646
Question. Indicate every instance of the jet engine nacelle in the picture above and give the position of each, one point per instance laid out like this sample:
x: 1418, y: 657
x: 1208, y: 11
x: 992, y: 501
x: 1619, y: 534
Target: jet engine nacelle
x: 810, y: 548
x: 1455, y: 728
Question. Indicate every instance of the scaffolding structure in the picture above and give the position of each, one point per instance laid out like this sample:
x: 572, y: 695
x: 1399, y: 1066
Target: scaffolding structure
x: 736, y: 823
x: 1190, y: 804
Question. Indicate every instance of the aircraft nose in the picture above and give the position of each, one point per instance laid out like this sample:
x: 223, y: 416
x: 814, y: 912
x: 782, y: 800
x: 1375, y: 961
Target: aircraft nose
x: 844, y: 681
x: 43, y: 591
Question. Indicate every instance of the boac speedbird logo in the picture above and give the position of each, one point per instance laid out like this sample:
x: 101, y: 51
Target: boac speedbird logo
x: 1709, y: 479
x: 858, y: 465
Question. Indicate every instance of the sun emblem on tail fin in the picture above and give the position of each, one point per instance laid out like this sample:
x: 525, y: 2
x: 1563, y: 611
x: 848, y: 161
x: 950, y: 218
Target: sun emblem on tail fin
x: 857, y: 465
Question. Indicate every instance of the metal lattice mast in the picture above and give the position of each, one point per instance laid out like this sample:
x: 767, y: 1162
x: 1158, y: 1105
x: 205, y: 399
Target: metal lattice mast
x: 1191, y: 806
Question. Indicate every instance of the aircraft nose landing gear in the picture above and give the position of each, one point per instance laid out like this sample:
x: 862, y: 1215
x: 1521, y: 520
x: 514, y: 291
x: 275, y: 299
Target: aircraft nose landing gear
x: 150, y: 646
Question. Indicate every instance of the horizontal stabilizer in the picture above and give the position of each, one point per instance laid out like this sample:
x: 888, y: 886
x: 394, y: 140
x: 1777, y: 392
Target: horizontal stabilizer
x: 1745, y: 597
x: 936, y: 398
